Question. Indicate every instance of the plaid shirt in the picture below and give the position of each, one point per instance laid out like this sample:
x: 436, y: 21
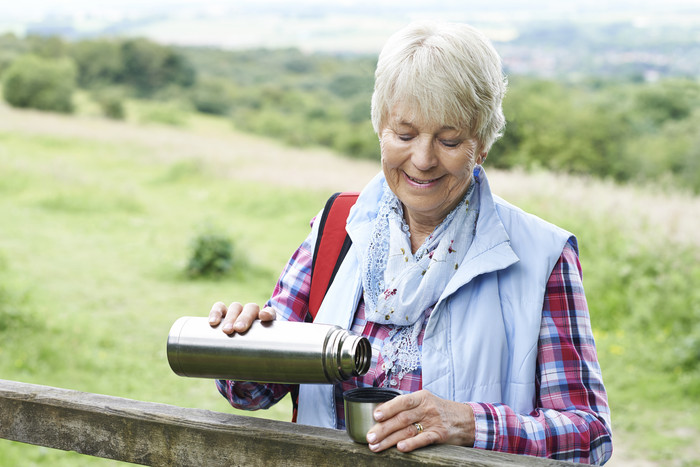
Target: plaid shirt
x: 571, y: 416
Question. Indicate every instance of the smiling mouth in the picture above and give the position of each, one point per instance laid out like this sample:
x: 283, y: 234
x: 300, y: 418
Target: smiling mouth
x: 419, y: 181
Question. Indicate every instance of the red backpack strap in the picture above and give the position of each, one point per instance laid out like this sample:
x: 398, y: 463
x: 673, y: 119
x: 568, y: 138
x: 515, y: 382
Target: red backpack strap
x: 332, y: 244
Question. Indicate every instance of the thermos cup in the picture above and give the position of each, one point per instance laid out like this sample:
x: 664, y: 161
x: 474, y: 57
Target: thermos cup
x: 269, y: 352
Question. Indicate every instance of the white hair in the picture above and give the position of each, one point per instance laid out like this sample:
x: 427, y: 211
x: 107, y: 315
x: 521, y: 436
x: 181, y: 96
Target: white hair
x: 444, y: 72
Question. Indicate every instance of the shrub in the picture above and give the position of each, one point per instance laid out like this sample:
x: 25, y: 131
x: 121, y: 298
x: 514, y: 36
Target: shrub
x: 111, y: 103
x: 44, y: 84
x: 212, y: 255
x: 212, y: 96
x: 112, y: 108
x: 358, y: 141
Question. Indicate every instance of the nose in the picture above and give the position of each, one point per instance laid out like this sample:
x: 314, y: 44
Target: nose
x: 423, y: 155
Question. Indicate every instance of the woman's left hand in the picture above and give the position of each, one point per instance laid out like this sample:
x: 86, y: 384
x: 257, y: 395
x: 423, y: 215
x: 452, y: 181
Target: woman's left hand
x: 418, y: 419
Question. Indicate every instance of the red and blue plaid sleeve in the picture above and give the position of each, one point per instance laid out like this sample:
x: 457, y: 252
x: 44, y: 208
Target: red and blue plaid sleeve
x: 571, y: 420
x: 291, y: 301
x: 251, y: 396
x: 291, y: 295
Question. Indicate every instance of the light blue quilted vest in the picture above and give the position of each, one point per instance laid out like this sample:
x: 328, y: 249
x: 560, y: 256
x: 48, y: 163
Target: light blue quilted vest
x: 480, y: 342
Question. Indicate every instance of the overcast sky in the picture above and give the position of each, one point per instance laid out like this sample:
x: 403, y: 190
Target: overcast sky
x: 37, y: 8
x: 352, y: 25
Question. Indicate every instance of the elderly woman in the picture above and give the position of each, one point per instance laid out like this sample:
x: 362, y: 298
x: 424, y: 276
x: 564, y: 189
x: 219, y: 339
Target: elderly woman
x: 475, y: 310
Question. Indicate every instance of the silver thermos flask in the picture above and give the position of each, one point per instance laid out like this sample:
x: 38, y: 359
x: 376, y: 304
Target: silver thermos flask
x: 269, y: 352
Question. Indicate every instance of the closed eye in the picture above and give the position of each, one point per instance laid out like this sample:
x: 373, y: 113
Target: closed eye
x: 405, y: 137
x: 450, y: 143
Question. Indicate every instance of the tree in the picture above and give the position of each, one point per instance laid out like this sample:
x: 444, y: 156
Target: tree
x: 47, y: 46
x: 212, y: 95
x: 10, y: 48
x: 667, y: 100
x: 148, y: 67
x: 99, y: 62
x: 44, y: 84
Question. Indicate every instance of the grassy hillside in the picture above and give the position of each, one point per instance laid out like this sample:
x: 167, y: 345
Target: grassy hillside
x: 98, y: 218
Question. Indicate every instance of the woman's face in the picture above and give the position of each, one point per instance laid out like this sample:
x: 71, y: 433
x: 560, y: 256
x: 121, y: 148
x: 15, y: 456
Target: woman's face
x: 427, y: 165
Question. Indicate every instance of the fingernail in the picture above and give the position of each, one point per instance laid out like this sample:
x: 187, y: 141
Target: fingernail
x: 401, y: 445
x: 374, y: 447
x: 371, y: 438
x: 378, y: 415
x: 228, y: 327
x: 239, y: 325
x: 212, y: 320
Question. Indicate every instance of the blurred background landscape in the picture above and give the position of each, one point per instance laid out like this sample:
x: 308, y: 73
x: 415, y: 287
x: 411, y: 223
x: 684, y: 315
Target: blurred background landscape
x: 158, y: 156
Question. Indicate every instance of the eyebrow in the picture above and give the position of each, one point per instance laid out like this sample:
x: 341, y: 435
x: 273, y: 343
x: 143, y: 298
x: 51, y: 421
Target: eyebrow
x: 444, y: 128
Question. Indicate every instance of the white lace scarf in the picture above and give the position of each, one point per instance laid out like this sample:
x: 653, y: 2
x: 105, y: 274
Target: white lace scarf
x: 399, y: 286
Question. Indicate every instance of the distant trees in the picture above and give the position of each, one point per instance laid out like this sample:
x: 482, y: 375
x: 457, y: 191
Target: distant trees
x: 99, y: 62
x: 561, y: 127
x: 301, y: 99
x: 42, y: 72
x: 666, y: 140
x: 142, y: 65
x: 620, y: 129
x: 44, y: 84
x: 148, y: 67
x: 10, y: 48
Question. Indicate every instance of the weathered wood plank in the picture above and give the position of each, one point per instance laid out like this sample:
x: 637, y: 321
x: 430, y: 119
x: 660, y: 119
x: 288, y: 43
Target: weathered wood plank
x: 158, y: 434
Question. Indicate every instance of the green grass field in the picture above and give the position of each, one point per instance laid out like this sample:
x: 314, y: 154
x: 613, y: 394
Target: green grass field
x: 94, y: 240
x: 97, y: 219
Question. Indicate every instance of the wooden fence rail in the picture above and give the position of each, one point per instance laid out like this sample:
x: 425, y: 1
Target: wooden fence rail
x: 163, y: 435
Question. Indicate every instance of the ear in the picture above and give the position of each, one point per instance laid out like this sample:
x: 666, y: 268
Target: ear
x: 482, y: 157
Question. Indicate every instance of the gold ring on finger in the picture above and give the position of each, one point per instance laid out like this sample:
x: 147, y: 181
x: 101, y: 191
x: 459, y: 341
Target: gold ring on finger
x: 419, y: 428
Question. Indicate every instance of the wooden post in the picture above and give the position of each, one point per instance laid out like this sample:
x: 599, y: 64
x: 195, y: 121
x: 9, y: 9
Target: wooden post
x: 163, y: 435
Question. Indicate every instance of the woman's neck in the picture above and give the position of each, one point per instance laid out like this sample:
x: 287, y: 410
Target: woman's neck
x: 419, y: 231
x: 422, y: 224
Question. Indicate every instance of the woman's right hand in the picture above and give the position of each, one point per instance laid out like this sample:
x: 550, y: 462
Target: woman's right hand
x: 237, y: 317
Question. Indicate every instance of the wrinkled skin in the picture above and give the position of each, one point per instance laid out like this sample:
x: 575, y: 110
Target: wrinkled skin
x: 443, y: 421
x: 428, y: 166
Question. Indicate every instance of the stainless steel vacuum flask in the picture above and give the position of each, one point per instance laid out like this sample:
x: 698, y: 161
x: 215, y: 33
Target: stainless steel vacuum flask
x: 269, y: 352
